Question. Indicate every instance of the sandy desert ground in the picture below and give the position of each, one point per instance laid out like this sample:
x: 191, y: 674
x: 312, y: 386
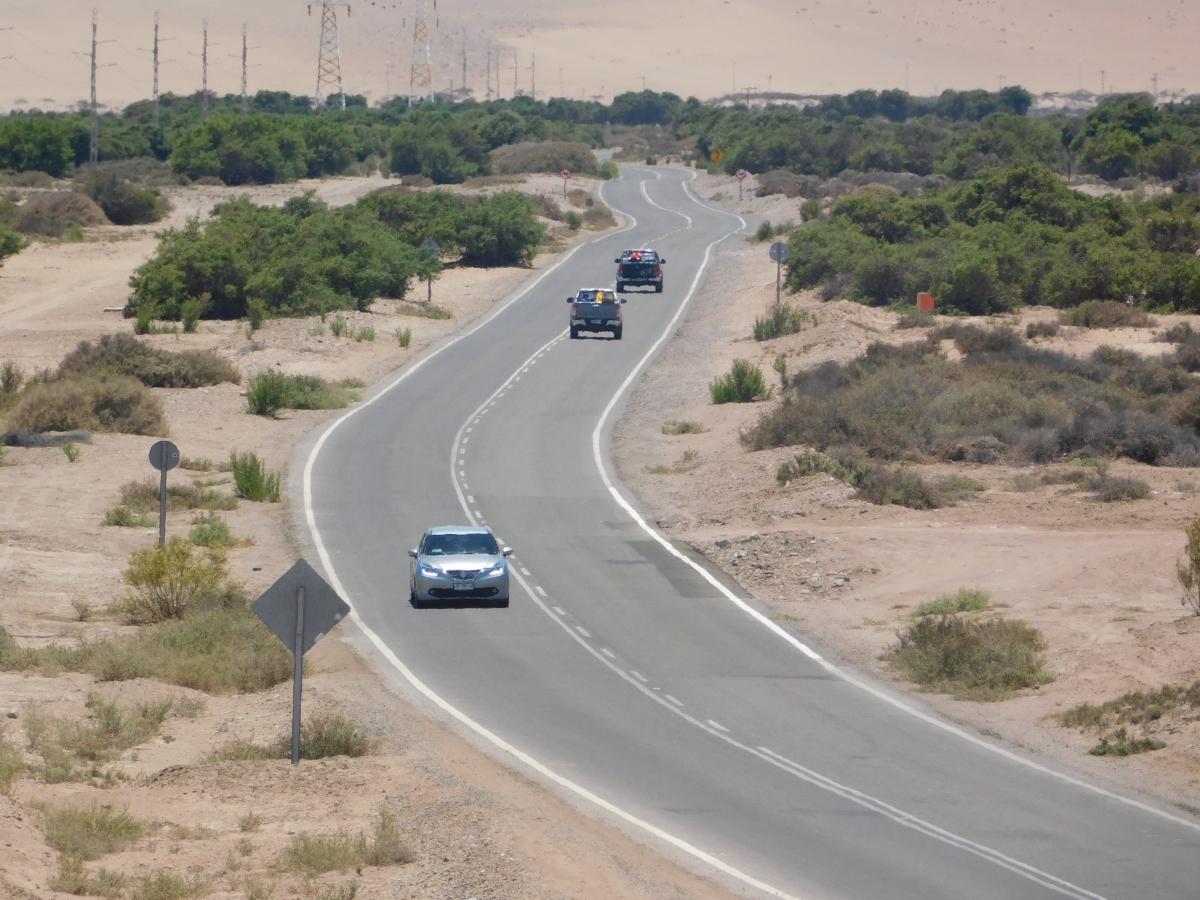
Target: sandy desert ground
x: 706, y: 48
x: 1098, y: 579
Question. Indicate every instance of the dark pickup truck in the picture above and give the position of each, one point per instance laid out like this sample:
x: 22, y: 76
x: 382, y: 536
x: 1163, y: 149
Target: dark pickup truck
x: 595, y: 309
x: 639, y: 267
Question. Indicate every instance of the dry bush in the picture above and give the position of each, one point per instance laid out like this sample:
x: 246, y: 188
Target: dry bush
x: 548, y: 208
x: 71, y: 749
x: 971, y: 660
x: 90, y: 403
x: 544, y: 156
x: 123, y: 354
x: 1043, y: 329
x: 1106, y: 314
x: 143, y: 497
x: 170, y: 579
x: 316, y: 854
x: 89, y: 832
x: 53, y: 212
x: 781, y: 181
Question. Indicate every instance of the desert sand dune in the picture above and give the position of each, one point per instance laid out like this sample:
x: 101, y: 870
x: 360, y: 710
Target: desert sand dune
x: 705, y: 48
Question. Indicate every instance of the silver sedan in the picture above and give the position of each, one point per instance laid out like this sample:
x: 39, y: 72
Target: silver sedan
x: 456, y: 563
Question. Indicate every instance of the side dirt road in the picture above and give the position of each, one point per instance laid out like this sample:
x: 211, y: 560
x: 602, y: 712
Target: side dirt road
x: 1097, y: 579
x: 117, y: 785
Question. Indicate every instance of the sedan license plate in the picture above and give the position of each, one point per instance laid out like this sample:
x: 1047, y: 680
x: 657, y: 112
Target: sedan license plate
x: 595, y: 321
x: 463, y: 585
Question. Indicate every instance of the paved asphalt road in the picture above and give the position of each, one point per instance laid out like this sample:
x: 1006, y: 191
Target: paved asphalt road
x: 623, y: 671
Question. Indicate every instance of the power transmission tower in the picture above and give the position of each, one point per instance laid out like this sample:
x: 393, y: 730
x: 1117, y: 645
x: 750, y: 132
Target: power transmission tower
x: 488, y: 67
x: 464, y: 55
x: 420, y: 77
x: 329, y: 53
x: 155, y: 94
x: 245, y: 71
x: 516, y: 68
x: 1154, y: 81
x: 94, y: 149
x: 204, y: 71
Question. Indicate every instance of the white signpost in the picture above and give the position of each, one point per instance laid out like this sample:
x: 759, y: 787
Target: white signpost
x: 741, y: 175
x: 565, y: 175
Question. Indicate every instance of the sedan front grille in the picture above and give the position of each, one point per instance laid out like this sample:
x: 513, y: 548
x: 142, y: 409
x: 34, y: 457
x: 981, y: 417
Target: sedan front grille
x: 462, y: 576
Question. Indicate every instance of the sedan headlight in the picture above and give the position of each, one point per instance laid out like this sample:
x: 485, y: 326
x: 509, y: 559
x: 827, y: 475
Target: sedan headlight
x: 429, y: 572
x: 499, y: 570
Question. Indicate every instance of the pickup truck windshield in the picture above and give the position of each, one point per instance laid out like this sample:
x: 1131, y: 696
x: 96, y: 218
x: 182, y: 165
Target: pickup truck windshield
x: 457, y: 544
x: 596, y: 297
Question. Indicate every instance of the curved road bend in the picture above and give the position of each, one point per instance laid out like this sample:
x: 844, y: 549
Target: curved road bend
x: 625, y: 671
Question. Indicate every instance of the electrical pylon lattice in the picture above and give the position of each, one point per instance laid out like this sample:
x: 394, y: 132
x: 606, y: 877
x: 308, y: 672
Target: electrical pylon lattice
x: 420, y: 80
x: 329, y: 55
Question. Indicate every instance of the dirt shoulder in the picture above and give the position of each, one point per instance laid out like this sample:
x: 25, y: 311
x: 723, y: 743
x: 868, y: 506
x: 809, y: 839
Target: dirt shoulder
x: 476, y: 829
x: 1098, y: 579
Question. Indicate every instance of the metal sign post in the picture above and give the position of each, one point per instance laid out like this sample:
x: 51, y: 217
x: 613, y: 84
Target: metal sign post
x: 779, y: 253
x: 741, y: 176
x: 565, y: 175
x: 163, y: 456
x: 300, y: 609
x: 298, y: 674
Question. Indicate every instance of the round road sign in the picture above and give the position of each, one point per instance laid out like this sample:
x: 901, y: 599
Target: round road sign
x: 741, y: 174
x: 780, y: 251
x: 164, y: 455
x: 565, y: 174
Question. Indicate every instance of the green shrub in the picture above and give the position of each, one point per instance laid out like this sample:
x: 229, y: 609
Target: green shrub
x: 338, y: 327
x: 573, y: 220
x: 90, y: 403
x: 608, y: 170
x: 12, y: 764
x: 251, y: 478
x: 743, y: 384
x: 1106, y: 314
x: 366, y: 333
x: 966, y: 600
x: 211, y: 531
x: 122, y: 354
x: 143, y: 320
x: 72, y: 749
x: 189, y: 312
x: 1124, y: 745
x: 89, y: 832
x: 900, y: 487
x: 163, y: 884
x: 545, y: 156
x: 124, y: 203
x: 170, y: 579
x: 71, y: 451
x: 122, y: 516
x: 846, y: 467
x: 11, y: 378
x: 404, y: 337
x: 782, y: 319
x: 972, y: 660
x: 1132, y: 708
x: 272, y: 390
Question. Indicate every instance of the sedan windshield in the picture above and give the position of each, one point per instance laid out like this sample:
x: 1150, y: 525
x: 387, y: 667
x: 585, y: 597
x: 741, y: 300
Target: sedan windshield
x: 457, y: 544
x: 597, y: 296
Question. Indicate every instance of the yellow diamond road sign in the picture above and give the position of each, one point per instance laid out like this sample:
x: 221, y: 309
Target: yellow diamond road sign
x: 716, y: 155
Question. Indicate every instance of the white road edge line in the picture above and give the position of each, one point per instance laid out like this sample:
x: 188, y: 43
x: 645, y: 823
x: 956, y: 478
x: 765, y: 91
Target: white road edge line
x: 790, y: 638
x: 394, y: 660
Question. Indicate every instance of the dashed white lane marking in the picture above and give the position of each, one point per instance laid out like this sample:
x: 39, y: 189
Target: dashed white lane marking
x: 538, y: 588
x: 639, y: 676
x: 478, y: 513
x: 559, y: 610
x: 608, y: 653
x: 674, y: 700
x: 582, y: 631
x: 717, y: 725
x: 464, y: 440
x: 524, y: 571
x: 469, y: 430
x: 470, y: 499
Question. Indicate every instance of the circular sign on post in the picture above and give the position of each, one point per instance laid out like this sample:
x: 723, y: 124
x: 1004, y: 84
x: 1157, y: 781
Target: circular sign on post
x: 741, y: 174
x: 780, y: 251
x: 717, y: 155
x: 432, y: 249
x: 564, y: 174
x: 164, y: 455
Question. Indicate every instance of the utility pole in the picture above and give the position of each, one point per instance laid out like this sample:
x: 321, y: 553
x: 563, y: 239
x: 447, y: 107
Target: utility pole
x: 421, y: 74
x: 94, y: 148
x: 464, y: 81
x: 1154, y: 81
x: 488, y: 65
x: 245, y: 99
x: 329, y: 52
x: 533, y: 76
x: 94, y: 152
x: 204, y: 71
x: 155, y: 93
x: 1102, y: 82
x: 561, y: 92
x: 516, y: 89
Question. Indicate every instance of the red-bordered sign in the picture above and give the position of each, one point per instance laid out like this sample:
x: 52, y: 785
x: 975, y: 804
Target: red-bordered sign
x: 742, y: 174
x: 564, y: 174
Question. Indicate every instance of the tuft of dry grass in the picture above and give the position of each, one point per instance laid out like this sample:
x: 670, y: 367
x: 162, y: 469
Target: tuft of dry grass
x: 317, y: 854
x: 1106, y: 314
x: 116, y: 403
x: 124, y: 354
x: 85, y: 833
